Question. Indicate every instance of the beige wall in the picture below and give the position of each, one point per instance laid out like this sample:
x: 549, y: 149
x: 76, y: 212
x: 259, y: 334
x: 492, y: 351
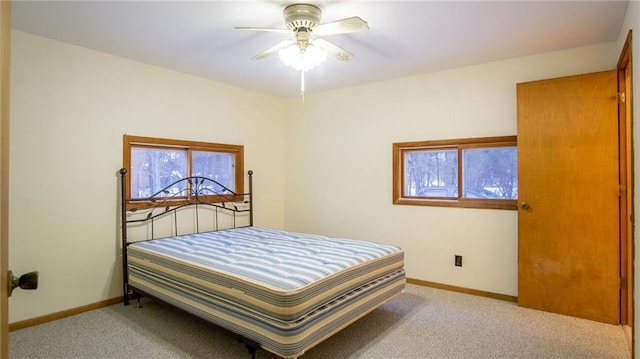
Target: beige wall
x: 338, y: 147
x: 70, y: 107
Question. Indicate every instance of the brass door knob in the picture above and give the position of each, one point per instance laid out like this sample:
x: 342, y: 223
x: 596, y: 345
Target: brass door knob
x: 524, y: 205
x: 26, y: 281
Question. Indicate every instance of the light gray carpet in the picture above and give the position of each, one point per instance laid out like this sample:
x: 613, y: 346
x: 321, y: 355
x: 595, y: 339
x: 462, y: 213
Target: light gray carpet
x: 420, y: 323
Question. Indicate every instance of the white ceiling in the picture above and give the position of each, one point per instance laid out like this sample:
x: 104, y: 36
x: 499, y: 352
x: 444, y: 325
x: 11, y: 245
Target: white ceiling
x: 405, y: 37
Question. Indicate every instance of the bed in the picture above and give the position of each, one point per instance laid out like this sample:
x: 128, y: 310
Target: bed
x: 196, y: 248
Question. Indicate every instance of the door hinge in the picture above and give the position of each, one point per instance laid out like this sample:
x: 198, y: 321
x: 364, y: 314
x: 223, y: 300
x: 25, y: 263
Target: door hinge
x: 623, y: 283
x: 622, y: 190
x: 621, y: 97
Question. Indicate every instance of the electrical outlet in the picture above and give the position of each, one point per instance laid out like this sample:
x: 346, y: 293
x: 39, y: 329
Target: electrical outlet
x: 458, y: 261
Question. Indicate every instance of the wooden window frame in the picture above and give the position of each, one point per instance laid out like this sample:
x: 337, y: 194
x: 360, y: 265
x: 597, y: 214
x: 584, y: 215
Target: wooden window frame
x: 130, y: 142
x: 400, y: 148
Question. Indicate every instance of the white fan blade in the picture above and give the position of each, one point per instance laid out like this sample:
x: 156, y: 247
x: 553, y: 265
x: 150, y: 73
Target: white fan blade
x: 261, y: 29
x: 337, y: 53
x: 352, y: 24
x: 272, y: 49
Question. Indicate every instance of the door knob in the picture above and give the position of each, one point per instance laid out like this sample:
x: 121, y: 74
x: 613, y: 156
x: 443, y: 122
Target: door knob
x: 525, y: 205
x: 26, y: 281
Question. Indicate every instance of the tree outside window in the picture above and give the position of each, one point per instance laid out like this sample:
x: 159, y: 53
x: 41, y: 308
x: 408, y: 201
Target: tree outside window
x: 475, y: 172
x: 154, y: 164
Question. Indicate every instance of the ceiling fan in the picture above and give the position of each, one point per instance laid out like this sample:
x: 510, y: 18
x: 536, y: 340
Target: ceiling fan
x: 304, y: 21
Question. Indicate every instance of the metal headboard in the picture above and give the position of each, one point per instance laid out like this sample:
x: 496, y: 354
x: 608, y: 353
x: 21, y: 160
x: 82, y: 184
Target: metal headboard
x: 190, y: 192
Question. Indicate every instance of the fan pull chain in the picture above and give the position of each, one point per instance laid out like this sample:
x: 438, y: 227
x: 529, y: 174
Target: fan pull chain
x: 302, y: 84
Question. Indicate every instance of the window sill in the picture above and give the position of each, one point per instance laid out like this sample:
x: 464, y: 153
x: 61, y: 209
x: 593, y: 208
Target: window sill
x: 460, y: 203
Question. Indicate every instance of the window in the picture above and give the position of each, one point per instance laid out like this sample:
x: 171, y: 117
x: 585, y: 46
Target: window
x: 156, y: 163
x: 474, y: 172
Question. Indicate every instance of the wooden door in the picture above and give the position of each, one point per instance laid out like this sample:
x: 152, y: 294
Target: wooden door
x: 568, y: 217
x: 5, y: 48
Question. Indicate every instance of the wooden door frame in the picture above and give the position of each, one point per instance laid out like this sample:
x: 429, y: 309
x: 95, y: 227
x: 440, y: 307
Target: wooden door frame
x: 627, y: 241
x: 5, y: 80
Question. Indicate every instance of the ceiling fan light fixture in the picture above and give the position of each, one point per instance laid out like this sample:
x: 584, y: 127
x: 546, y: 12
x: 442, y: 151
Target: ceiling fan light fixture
x: 302, y: 60
x: 302, y: 52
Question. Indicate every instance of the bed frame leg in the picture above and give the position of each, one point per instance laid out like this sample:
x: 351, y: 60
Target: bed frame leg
x: 138, y: 296
x: 252, y: 346
x: 252, y: 351
x: 125, y: 294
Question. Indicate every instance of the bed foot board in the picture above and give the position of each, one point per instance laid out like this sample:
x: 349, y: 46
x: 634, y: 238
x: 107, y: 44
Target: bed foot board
x: 251, y: 345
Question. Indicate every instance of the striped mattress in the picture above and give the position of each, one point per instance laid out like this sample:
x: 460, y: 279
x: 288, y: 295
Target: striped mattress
x: 287, y: 291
